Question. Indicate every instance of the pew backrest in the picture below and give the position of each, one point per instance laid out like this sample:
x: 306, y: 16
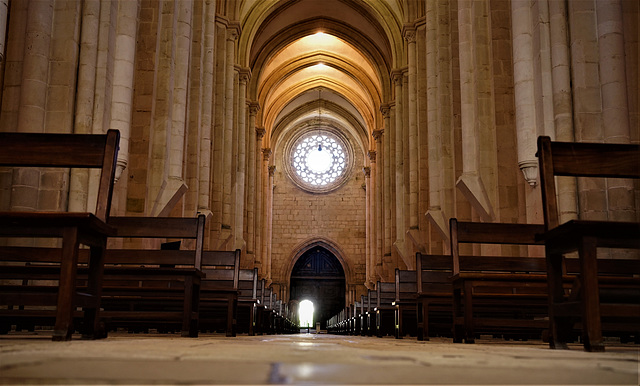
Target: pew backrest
x: 66, y: 150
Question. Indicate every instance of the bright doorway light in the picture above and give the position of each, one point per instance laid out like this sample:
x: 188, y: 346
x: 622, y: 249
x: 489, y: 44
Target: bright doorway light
x: 305, y: 313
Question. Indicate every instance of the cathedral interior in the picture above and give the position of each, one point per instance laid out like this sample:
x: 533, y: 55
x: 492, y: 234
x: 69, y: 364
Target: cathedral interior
x: 327, y: 140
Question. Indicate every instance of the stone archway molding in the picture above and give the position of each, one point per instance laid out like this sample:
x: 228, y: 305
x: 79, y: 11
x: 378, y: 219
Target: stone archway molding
x: 329, y: 245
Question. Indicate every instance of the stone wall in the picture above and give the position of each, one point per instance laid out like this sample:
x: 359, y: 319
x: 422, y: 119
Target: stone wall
x: 337, y: 217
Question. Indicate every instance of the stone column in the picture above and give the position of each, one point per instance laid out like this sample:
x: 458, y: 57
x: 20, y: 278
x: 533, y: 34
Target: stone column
x: 615, y: 110
x: 241, y: 171
x: 524, y: 89
x: 368, y: 220
x: 587, y: 107
x: 123, y: 68
x: 259, y: 251
x: 562, y: 101
x: 219, y: 172
x: 435, y: 139
x: 476, y: 107
x: 79, y: 179
x: 386, y: 181
x: 399, y: 163
x: 232, y: 36
x: 266, y: 224
x: 206, y: 140
x: 252, y: 167
x: 380, y: 203
x: 409, y: 33
x: 271, y: 187
x: 33, y: 95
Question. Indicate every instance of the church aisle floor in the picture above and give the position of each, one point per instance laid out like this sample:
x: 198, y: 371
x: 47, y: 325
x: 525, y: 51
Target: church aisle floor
x: 135, y: 359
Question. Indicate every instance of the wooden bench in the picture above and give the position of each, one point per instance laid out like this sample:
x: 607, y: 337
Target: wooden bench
x: 385, y: 310
x: 504, y: 295
x: 147, y: 287
x: 405, y: 303
x: 434, y: 300
x: 362, y: 315
x: 372, y: 301
x: 248, y: 301
x: 585, y: 237
x: 90, y: 229
x: 219, y: 291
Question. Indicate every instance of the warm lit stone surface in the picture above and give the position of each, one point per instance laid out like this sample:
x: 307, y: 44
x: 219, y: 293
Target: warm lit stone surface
x: 306, y: 358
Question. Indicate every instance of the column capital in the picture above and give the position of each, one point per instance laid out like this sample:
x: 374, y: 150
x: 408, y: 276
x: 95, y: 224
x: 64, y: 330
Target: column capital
x: 372, y: 156
x: 272, y: 170
x: 260, y: 132
x: 409, y: 33
x: 254, y: 107
x: 233, y: 30
x: 385, y: 109
x: 396, y: 76
x: 266, y: 153
x: 244, y: 74
x: 377, y: 134
x: 367, y: 171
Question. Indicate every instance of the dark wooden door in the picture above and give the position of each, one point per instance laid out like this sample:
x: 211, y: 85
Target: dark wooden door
x: 318, y: 276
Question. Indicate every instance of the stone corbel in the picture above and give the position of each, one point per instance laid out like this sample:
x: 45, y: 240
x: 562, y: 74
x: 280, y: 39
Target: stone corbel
x: 417, y: 238
x: 472, y: 187
x: 170, y: 193
x: 530, y: 171
x: 440, y: 222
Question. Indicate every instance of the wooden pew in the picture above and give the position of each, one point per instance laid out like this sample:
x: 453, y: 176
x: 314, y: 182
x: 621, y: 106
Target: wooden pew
x: 385, y: 310
x: 405, y: 303
x: 362, y: 315
x: 72, y: 229
x: 219, y: 291
x: 372, y: 301
x: 154, y: 288
x: 588, y: 302
x: 434, y: 295
x: 247, y: 301
x: 497, y: 294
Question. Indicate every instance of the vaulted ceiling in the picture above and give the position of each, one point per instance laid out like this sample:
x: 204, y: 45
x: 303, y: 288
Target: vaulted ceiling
x: 312, y: 58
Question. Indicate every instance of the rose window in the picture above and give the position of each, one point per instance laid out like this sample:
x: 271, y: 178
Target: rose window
x: 319, y: 161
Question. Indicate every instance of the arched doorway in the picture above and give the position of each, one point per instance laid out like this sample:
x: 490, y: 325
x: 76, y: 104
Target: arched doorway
x: 318, y: 276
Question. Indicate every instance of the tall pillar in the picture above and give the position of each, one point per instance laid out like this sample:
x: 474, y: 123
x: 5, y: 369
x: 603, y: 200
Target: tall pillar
x: 232, y: 35
x: 167, y: 185
x: 386, y: 181
x: 562, y: 101
x: 241, y: 171
x: 409, y: 33
x: 79, y: 179
x: 219, y: 142
x: 271, y: 186
x: 615, y: 110
x: 476, y: 97
x: 397, y: 77
x: 206, y: 140
x: 33, y: 95
x: 435, y: 139
x: 380, y: 203
x: 524, y: 89
x: 259, y: 251
x: 368, y: 235
x: 266, y: 224
x: 587, y: 102
x: 123, y: 69
x: 252, y: 152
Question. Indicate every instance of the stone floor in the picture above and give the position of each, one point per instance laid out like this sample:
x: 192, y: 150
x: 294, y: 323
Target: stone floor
x: 306, y: 359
